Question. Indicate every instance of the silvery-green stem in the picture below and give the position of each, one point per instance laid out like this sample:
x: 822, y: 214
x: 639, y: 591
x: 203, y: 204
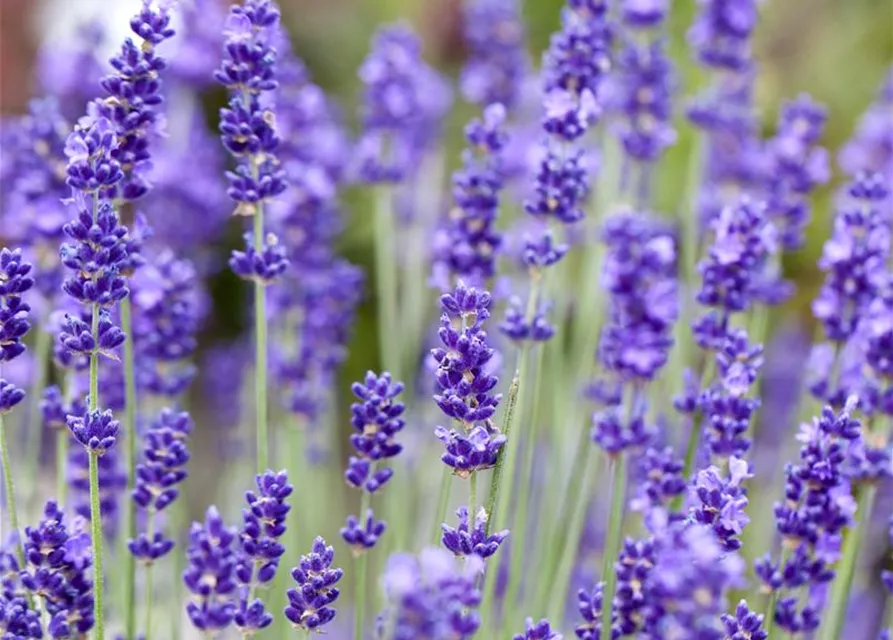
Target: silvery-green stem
x: 62, y: 437
x: 129, y: 425
x: 9, y: 487
x: 443, y: 499
x: 694, y: 438
x: 34, y: 427
x: 386, y: 281
x: 260, y: 351
x: 360, y: 582
x: 472, y: 496
x: 96, y: 526
x: 520, y: 524
x: 150, y: 533
x: 865, y: 495
x: 617, y: 465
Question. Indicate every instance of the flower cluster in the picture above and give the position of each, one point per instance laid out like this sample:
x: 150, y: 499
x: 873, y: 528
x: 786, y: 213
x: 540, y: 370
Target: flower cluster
x: 467, y: 245
x: 134, y: 97
x: 497, y: 60
x: 58, y: 572
x: 15, y: 280
x: 430, y: 596
x: 263, y: 524
x: 211, y: 574
x: 377, y: 419
x: 468, y: 539
x: 818, y: 507
x: 163, y: 467
x: 464, y: 384
x: 309, y: 605
x: 722, y: 501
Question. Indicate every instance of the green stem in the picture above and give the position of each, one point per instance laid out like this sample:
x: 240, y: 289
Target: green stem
x: 96, y: 525
x: 520, y: 525
x: 615, y: 533
x: 260, y: 350
x: 769, y: 616
x: 360, y: 584
x: 94, y: 361
x: 10, y: 493
x: 62, y: 437
x: 472, y: 495
x: 694, y: 438
x: 34, y: 428
x: 508, y: 419
x: 150, y: 532
x: 570, y: 545
x: 443, y: 499
x: 386, y: 282
x: 130, y: 401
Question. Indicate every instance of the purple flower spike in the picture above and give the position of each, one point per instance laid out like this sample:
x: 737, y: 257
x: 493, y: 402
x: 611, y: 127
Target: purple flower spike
x: 210, y: 576
x: 541, y: 630
x: 263, y: 526
x: 91, y: 162
x: 309, y: 606
x: 95, y: 431
x: 251, y: 618
x: 477, y: 451
x: 362, y: 536
x: 377, y: 419
x: 723, y: 502
x: 721, y: 33
x: 264, y: 266
x: 745, y: 624
x: 465, y: 541
x: 15, y: 280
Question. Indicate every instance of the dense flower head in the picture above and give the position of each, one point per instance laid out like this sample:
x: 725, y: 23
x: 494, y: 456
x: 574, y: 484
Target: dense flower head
x: 796, y: 166
x: 251, y: 617
x: 660, y: 478
x: 92, y: 165
x: 96, y: 257
x: 362, y: 535
x: 15, y: 279
x: 642, y: 99
x: 542, y: 251
x: 78, y: 338
x: 310, y: 603
x: 376, y: 419
x: 722, y: 501
x: 871, y: 147
x: 468, y: 242
x: 247, y: 125
x: 579, y: 54
x: 96, y: 431
x: 168, y: 305
x: 162, y: 468
x: 732, y: 270
x: 878, y: 335
x: 497, y: 60
x: 639, y: 275
x: 134, y: 96
x: 744, y: 624
x: 17, y: 619
x: 721, y: 33
x: 856, y: 251
x: 467, y: 452
x: 516, y: 327
x: 472, y: 539
x: 561, y: 187
x: 431, y: 596
x: 263, y: 266
x: 541, y: 630
x: 402, y: 104
x: 10, y: 395
x: 58, y: 571
x: 818, y: 507
x: 589, y: 605
x: 263, y: 524
x: 211, y: 574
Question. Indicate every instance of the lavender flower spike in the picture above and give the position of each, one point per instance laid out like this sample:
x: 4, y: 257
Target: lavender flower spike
x: 541, y: 630
x: 211, y: 574
x: 309, y: 606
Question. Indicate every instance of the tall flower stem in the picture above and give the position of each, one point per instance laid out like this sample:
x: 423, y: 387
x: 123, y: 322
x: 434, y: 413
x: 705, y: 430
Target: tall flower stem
x: 260, y: 349
x: 150, y: 533
x: 386, y: 282
x: 62, y: 438
x: 558, y: 578
x: 773, y: 597
x: 9, y: 488
x: 865, y: 495
x: 131, y: 436
x: 34, y: 428
x: 472, y: 493
x: 508, y: 420
x: 694, y: 438
x: 520, y: 524
x: 360, y: 584
x: 615, y: 533
x: 443, y: 499
x: 95, y: 512
x: 96, y: 526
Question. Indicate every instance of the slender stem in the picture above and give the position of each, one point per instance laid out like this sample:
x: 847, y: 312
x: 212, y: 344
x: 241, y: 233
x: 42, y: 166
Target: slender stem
x: 360, y: 584
x: 694, y: 438
x: 62, y: 437
x: 769, y: 616
x: 472, y: 495
x: 9, y: 487
x: 615, y: 532
x: 520, y: 525
x: 96, y: 525
x: 94, y: 361
x: 386, y: 282
x: 150, y: 533
x: 443, y: 499
x: 34, y: 428
x: 130, y: 401
x: 570, y: 545
x: 260, y: 348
